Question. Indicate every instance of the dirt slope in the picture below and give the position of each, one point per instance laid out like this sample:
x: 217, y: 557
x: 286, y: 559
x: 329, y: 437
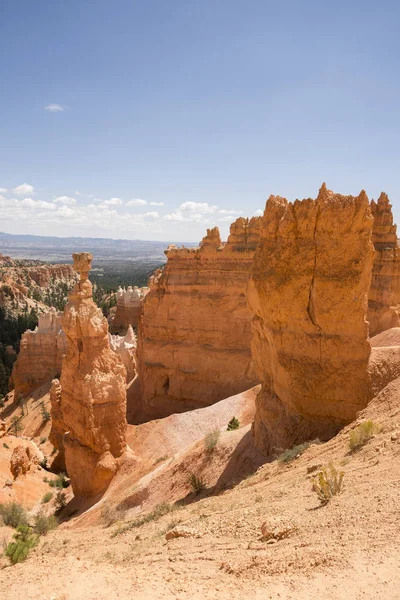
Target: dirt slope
x: 347, y: 549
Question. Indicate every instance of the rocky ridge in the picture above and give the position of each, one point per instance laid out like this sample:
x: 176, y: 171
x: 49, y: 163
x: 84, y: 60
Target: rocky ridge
x: 194, y: 330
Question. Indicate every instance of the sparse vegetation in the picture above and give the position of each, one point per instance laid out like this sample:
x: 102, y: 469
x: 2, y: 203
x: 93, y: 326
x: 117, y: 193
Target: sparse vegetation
x: 362, y: 434
x: 291, y: 453
x: 161, y: 459
x: 45, y: 412
x: 233, y: 424
x: 60, y: 501
x: 197, y: 483
x: 44, y: 523
x: 327, y: 483
x: 13, y: 514
x: 47, y: 497
x: 60, y: 482
x: 211, y: 440
x: 16, y: 426
x: 159, y: 511
x: 25, y: 539
x: 43, y: 440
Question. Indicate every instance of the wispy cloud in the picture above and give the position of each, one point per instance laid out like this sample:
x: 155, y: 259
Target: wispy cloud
x: 137, y: 202
x: 64, y: 200
x: 259, y: 213
x: 112, y: 202
x: 156, y: 203
x: 24, y: 189
x: 54, y: 108
x: 3, y: 190
x: 197, y: 212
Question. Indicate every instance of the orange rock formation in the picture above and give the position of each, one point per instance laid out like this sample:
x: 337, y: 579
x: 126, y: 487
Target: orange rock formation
x: 194, y: 332
x: 40, y: 355
x: 128, y: 308
x: 384, y: 294
x: 308, y: 292
x: 91, y: 406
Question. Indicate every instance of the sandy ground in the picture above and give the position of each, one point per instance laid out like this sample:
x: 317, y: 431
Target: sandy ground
x: 346, y: 549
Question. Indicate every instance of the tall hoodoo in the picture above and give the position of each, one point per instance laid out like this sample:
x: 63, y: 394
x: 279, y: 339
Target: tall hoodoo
x: 308, y: 291
x: 93, y: 395
x: 384, y: 294
x: 194, y: 331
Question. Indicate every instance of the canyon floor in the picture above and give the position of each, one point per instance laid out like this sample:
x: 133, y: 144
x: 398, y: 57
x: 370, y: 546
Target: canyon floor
x: 345, y: 549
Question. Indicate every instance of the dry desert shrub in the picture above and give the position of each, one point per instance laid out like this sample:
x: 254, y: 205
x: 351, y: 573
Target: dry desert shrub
x: 47, y: 497
x: 211, y: 440
x: 44, y: 523
x: 362, y: 434
x: 327, y: 483
x: 197, y: 483
x: 13, y: 514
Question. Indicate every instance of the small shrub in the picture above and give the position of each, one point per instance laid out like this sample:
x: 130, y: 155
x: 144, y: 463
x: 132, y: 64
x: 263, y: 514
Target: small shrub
x: 160, y: 459
x: 197, y: 483
x: 16, y: 426
x: 362, y: 434
x: 24, y: 540
x: 159, y: 511
x: 327, y: 483
x: 291, y: 453
x: 44, y: 462
x: 44, y: 523
x: 60, y: 501
x: 47, y: 497
x: 43, y: 440
x: 211, y: 440
x: 45, y: 413
x: 6, y: 446
x: 60, y: 482
x: 13, y: 514
x: 233, y: 424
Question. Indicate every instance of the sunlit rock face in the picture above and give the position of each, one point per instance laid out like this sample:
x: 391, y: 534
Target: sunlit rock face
x: 40, y: 355
x: 194, y: 331
x: 91, y: 403
x: 384, y: 293
x: 308, y: 293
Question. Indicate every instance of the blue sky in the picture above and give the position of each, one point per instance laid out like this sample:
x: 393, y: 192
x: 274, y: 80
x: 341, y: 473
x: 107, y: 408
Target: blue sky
x: 197, y: 109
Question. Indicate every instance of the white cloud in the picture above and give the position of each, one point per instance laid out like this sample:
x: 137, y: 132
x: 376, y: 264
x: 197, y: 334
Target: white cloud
x: 198, y: 212
x: 64, y: 200
x: 30, y: 203
x: 112, y: 202
x: 54, y: 108
x: 227, y: 219
x: 24, y: 189
x: 137, y: 202
x: 259, y: 213
x: 154, y: 203
x: 152, y: 215
x: 3, y: 190
x: 78, y: 193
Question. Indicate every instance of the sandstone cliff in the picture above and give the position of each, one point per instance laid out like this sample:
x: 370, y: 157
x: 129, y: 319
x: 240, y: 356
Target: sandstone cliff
x: 128, y: 308
x: 384, y: 294
x: 194, y: 331
x: 40, y: 355
x: 308, y: 292
x: 91, y: 405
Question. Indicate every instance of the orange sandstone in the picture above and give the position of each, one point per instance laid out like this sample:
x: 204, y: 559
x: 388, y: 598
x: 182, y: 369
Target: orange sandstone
x: 308, y: 292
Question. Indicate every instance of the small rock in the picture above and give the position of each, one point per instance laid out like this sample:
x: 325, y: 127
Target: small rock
x: 181, y: 531
x: 394, y: 436
x: 313, y: 468
x: 8, y: 483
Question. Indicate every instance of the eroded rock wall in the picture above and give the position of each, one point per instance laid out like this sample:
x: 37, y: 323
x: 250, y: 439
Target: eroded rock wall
x: 194, y: 332
x: 308, y: 292
x: 91, y: 404
x: 384, y: 293
x: 40, y: 355
x: 128, y: 308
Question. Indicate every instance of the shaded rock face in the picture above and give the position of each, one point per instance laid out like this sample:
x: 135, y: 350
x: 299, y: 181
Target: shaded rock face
x: 308, y: 292
x: 125, y: 347
x: 90, y: 408
x: 40, y: 355
x: 384, y: 293
x: 128, y: 308
x: 194, y: 332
